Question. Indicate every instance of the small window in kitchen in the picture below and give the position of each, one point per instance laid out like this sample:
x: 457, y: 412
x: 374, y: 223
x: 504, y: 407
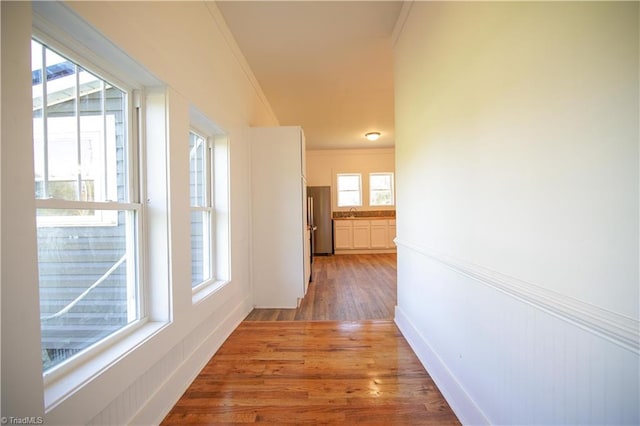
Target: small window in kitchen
x: 349, y: 189
x: 381, y: 189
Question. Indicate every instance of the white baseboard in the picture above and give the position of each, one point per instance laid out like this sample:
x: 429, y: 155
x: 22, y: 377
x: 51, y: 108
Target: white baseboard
x: 365, y: 251
x: 461, y: 403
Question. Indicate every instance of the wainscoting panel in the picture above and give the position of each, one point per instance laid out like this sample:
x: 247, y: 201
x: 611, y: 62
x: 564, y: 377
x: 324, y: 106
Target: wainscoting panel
x: 163, y: 384
x: 507, y: 352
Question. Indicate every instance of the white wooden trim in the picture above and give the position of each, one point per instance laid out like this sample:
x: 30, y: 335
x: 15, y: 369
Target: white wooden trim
x: 402, y: 18
x: 461, y: 403
x: 167, y: 395
x: 53, y: 203
x: 618, y: 329
x: 365, y: 251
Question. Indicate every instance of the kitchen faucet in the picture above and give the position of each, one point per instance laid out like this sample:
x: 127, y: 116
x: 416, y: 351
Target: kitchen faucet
x: 352, y: 211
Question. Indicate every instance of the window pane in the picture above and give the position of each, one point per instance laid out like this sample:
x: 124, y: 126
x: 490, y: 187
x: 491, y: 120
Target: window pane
x: 38, y: 127
x: 349, y: 183
x: 80, y: 136
x: 381, y: 189
x: 200, y: 247
x: 198, y: 171
x: 348, y: 199
x: 381, y: 198
x: 380, y: 181
x: 115, y: 139
x: 349, y: 190
x: 88, y: 286
x: 61, y: 151
x: 92, y: 155
x: 87, y: 258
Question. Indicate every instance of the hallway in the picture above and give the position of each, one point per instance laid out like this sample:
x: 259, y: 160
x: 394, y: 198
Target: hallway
x: 338, y: 359
x: 344, y: 288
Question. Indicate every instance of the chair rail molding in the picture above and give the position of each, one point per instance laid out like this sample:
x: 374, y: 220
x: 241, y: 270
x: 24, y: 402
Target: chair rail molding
x: 618, y: 329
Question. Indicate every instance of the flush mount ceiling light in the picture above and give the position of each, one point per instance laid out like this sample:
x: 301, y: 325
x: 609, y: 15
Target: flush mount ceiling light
x: 372, y: 136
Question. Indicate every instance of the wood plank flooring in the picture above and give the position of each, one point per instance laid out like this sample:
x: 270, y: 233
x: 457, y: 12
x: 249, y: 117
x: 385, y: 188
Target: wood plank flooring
x: 337, y: 359
x: 313, y: 372
x: 344, y: 287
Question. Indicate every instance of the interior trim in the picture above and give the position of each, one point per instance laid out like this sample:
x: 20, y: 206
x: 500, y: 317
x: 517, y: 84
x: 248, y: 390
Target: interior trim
x: 461, y: 403
x: 402, y: 18
x: 618, y: 329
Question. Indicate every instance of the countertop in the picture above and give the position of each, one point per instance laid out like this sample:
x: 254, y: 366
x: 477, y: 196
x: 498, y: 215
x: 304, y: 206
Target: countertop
x: 366, y: 218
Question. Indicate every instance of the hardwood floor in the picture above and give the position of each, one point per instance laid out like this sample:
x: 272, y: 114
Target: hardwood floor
x: 338, y: 359
x: 344, y: 287
x: 314, y: 372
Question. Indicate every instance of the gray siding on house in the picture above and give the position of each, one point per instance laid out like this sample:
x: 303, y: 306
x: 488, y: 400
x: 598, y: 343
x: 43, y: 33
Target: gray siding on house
x: 71, y: 259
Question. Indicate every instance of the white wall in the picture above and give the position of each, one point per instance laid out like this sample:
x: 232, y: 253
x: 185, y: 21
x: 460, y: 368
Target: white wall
x: 187, y: 46
x: 517, y: 175
x: 323, y: 165
x: 21, y: 360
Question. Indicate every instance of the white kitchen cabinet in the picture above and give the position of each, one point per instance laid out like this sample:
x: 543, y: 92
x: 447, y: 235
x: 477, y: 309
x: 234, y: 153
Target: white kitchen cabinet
x: 364, y: 236
x: 361, y: 234
x: 280, y: 238
x: 343, y: 234
x: 391, y: 233
x: 379, y: 234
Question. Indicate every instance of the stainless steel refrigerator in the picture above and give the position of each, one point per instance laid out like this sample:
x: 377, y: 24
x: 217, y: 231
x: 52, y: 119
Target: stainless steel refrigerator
x: 320, y: 219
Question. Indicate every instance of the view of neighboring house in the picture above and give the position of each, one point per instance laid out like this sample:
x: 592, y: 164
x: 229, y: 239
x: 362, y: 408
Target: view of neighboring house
x: 82, y: 256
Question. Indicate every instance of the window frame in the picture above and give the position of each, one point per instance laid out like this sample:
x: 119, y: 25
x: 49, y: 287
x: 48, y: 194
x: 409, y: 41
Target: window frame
x: 219, y: 141
x: 132, y: 204
x: 100, y: 219
x: 359, y: 190
x: 391, y: 189
x: 209, y: 207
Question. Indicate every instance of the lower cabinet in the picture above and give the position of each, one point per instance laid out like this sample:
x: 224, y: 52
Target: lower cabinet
x: 379, y: 234
x: 364, y: 235
x: 343, y: 235
x: 391, y: 233
x: 361, y: 234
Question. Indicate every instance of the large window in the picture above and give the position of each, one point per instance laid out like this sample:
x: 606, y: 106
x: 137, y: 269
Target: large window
x: 381, y: 189
x: 88, y: 213
x: 202, y: 208
x: 349, y: 189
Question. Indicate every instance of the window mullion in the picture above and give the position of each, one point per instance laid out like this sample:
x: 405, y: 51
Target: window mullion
x: 196, y: 164
x: 137, y: 188
x: 45, y: 124
x: 209, y: 173
x: 78, y: 143
x: 53, y: 203
x: 211, y: 204
x: 105, y: 150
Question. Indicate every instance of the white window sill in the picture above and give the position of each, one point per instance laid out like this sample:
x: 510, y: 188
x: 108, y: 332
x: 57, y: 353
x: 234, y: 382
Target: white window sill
x: 205, y: 290
x: 60, y: 387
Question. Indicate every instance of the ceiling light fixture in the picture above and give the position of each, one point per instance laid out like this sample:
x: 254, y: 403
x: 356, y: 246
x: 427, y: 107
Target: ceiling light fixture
x: 372, y: 136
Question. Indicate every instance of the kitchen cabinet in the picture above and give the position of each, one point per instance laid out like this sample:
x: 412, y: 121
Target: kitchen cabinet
x: 343, y: 234
x: 391, y: 233
x: 379, y: 234
x: 280, y: 236
x: 364, y: 235
x: 361, y: 234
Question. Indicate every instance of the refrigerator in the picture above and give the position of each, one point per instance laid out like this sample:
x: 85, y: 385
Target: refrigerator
x: 319, y: 210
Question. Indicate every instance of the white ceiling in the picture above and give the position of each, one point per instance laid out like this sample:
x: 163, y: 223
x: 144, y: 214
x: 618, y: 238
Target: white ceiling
x: 324, y: 65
